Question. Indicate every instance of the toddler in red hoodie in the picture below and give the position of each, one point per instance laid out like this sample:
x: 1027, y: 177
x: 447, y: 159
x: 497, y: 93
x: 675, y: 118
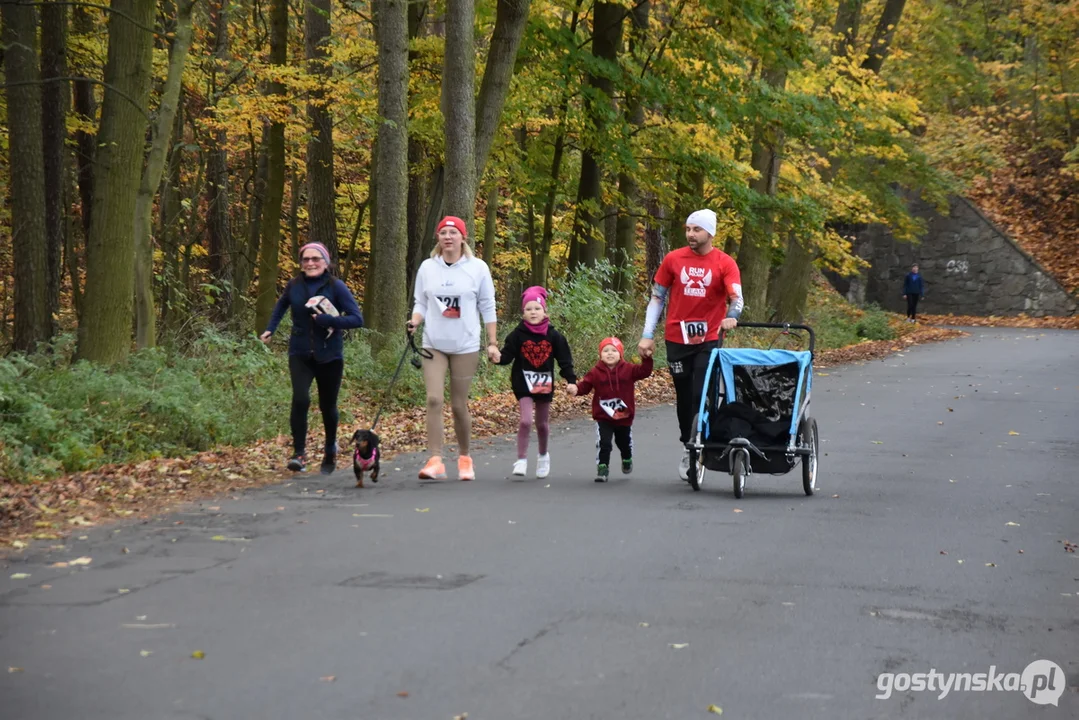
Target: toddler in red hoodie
x: 613, y: 402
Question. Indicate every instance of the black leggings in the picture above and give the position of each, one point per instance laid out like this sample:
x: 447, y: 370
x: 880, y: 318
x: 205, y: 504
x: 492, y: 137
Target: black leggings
x: 622, y: 435
x: 912, y: 305
x: 689, y: 366
x: 303, y: 370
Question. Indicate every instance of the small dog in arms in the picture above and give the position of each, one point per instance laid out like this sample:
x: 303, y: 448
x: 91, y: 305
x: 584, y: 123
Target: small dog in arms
x: 365, y: 455
x: 319, y: 304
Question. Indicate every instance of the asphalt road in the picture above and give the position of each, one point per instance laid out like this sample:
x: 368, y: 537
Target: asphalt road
x: 564, y: 598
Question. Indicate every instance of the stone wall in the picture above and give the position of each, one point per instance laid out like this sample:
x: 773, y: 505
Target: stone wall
x: 969, y: 266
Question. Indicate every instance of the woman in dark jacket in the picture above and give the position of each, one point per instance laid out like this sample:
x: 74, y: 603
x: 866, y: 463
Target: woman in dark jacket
x: 315, y: 348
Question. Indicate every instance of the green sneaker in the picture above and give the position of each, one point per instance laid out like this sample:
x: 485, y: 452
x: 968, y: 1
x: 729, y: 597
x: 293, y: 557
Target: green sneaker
x: 601, y: 473
x: 627, y: 466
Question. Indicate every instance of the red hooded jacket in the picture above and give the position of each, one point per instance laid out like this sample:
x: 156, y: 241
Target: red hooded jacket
x: 613, y: 401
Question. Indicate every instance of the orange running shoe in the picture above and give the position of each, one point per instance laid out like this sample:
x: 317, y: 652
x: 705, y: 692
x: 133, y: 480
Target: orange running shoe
x: 465, y: 470
x: 433, y: 469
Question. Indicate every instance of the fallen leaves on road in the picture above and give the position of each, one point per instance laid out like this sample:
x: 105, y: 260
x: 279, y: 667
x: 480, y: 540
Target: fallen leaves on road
x: 715, y: 709
x: 14, y: 669
x: 198, y: 654
x: 1012, y: 524
x: 678, y: 646
x: 402, y: 694
x: 328, y: 678
x: 81, y: 561
x: 20, y: 576
x: 423, y: 509
x: 1012, y: 432
x: 146, y: 653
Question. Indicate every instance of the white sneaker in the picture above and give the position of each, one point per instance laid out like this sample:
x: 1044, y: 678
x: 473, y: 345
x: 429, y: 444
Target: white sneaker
x: 683, y: 465
x: 543, y: 466
x: 520, y: 467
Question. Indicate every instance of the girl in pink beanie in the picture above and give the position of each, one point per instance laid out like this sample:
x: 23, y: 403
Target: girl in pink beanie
x: 533, y: 347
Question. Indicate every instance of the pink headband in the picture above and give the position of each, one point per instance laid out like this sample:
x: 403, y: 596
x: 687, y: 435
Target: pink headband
x: 321, y: 250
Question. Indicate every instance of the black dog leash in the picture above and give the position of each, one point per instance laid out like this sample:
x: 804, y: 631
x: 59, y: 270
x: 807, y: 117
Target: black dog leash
x: 416, y: 362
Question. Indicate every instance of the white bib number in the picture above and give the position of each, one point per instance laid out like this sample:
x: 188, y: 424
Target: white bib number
x: 694, y: 331
x: 539, y: 383
x: 616, y: 408
x: 450, y: 305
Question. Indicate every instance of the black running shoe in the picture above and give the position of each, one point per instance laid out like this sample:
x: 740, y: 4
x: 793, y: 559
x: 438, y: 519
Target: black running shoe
x: 329, y: 464
x: 297, y: 463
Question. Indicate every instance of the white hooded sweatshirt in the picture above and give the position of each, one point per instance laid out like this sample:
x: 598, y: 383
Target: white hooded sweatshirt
x: 451, y: 299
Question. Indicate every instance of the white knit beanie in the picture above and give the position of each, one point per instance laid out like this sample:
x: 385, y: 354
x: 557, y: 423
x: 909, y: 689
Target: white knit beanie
x: 703, y: 218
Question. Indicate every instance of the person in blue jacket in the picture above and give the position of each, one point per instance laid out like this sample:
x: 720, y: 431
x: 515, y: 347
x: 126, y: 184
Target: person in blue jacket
x: 913, y: 290
x: 315, y: 349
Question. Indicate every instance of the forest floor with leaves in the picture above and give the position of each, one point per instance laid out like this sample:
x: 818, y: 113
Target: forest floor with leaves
x: 53, y: 509
x: 1036, y: 202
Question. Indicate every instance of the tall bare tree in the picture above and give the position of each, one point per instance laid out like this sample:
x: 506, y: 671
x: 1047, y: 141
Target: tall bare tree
x: 55, y: 94
x: 222, y: 257
x: 19, y: 35
x: 105, y: 327
x: 587, y: 243
x: 792, y: 286
x: 321, y: 192
x: 145, y: 318
x: 386, y: 303
x: 459, y: 109
x: 275, y: 175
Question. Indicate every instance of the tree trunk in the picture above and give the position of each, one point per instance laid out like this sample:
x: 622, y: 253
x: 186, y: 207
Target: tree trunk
x: 105, y: 332
x: 556, y: 157
x: 32, y: 324
x: 145, y: 325
x: 883, y: 34
x: 222, y: 256
x: 690, y: 189
x: 168, y: 233
x: 244, y: 261
x: 385, y: 285
x: 845, y: 31
x: 490, y: 224
x: 587, y: 243
x: 625, y: 244
x: 85, y: 106
x: 511, y: 16
x: 321, y: 187
x: 755, y: 249
x: 792, y: 285
x: 275, y: 176
x: 459, y: 110
x: 653, y: 239
x: 55, y: 94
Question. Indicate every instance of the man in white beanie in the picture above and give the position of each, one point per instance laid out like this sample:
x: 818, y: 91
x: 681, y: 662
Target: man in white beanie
x: 703, y: 288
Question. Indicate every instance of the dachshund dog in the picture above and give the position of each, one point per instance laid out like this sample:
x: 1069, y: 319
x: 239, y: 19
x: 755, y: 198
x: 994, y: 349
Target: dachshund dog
x: 365, y: 457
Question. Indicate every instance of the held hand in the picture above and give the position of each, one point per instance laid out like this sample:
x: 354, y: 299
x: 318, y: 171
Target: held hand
x: 646, y: 347
x: 571, y: 390
x: 904, y: 297
x: 410, y: 327
x: 728, y: 324
x: 493, y: 353
x: 265, y: 337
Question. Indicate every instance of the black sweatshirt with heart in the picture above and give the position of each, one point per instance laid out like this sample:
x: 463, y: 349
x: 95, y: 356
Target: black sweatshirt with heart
x: 533, y: 357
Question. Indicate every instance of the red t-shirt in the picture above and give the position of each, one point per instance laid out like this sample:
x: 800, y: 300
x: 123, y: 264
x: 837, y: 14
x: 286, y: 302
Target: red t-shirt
x: 699, y: 287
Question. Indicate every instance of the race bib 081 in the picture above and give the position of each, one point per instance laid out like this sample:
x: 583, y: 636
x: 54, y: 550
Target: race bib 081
x: 539, y: 383
x: 694, y: 331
